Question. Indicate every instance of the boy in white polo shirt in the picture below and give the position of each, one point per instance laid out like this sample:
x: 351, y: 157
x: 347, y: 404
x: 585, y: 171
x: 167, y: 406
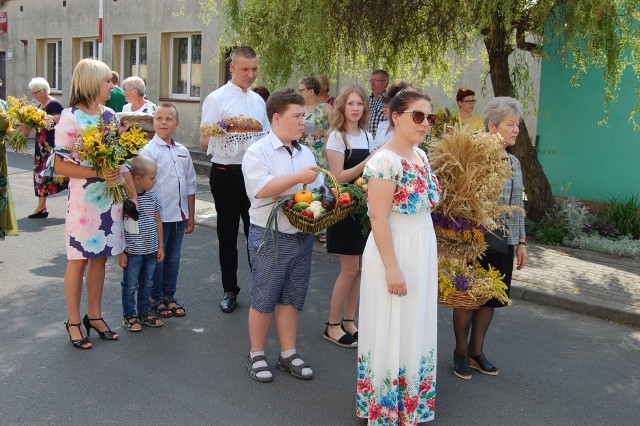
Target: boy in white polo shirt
x: 176, y: 190
x: 274, y: 166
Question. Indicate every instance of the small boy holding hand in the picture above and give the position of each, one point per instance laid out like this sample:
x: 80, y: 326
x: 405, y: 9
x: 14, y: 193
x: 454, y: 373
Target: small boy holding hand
x: 276, y: 165
x: 143, y: 249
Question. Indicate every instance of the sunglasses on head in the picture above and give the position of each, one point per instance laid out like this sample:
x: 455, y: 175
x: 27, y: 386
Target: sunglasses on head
x: 419, y: 116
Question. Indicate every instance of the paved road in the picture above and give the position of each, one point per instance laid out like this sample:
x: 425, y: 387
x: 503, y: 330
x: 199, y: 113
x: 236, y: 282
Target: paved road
x: 557, y: 367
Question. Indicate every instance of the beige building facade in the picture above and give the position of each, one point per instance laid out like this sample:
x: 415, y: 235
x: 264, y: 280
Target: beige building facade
x: 162, y: 41
x: 165, y: 42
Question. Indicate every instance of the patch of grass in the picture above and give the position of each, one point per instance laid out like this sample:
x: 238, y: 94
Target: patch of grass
x: 624, y: 214
x: 549, y: 234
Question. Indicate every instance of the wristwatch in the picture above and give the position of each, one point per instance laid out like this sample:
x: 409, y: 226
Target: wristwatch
x: 522, y: 243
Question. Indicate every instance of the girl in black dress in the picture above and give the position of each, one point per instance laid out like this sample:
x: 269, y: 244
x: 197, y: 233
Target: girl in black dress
x: 348, y: 149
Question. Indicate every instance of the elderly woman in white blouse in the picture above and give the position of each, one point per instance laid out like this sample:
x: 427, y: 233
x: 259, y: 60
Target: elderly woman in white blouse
x: 134, y: 92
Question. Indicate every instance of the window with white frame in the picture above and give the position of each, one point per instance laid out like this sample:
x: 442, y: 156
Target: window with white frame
x: 134, y: 57
x: 185, y: 67
x: 53, y: 63
x: 88, y: 48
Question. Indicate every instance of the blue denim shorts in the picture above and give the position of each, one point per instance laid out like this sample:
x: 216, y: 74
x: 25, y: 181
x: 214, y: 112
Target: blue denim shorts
x: 281, y: 280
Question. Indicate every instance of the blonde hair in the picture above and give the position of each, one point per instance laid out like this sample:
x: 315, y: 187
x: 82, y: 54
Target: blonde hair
x: 87, y: 78
x: 339, y: 106
x: 142, y: 166
x: 170, y: 106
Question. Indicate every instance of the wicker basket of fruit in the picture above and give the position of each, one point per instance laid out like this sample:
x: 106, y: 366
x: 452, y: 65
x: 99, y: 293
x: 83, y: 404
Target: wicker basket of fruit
x: 313, y: 211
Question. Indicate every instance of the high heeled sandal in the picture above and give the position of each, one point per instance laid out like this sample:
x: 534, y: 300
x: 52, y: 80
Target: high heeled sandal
x: 345, y: 341
x: 78, y: 343
x: 355, y: 335
x: 104, y: 335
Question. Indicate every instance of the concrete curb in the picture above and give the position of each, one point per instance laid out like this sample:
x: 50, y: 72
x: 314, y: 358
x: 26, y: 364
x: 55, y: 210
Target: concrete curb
x: 578, y: 303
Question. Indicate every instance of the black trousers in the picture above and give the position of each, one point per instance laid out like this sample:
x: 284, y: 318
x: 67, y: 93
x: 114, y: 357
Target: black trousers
x: 232, y: 203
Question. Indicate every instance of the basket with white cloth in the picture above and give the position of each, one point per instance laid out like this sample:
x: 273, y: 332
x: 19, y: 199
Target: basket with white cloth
x: 232, y: 135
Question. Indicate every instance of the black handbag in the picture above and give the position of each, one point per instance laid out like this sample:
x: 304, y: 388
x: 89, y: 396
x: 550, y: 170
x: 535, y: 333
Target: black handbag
x: 497, y: 241
x: 130, y: 209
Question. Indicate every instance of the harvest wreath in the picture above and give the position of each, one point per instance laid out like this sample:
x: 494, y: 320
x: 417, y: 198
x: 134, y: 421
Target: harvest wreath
x: 472, y: 174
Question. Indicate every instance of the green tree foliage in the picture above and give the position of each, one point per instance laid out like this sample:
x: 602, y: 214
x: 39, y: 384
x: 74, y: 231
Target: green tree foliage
x: 419, y: 39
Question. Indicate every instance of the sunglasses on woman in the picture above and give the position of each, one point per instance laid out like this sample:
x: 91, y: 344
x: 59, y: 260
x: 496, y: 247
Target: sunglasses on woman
x: 419, y: 116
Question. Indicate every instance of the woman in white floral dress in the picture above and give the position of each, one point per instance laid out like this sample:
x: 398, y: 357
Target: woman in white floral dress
x: 94, y: 224
x: 398, y: 295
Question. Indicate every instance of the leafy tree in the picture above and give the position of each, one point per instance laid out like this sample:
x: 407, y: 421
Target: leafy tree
x: 419, y: 39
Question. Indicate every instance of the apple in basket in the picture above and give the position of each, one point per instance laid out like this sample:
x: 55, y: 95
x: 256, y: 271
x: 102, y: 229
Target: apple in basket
x: 360, y: 183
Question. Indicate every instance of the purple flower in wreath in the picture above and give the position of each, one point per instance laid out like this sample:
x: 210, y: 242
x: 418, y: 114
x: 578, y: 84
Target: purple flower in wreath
x: 223, y: 124
x: 462, y: 282
x: 457, y: 224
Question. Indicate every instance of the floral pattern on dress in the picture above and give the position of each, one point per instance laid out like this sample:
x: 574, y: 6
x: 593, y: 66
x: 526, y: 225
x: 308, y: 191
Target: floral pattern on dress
x: 94, y: 224
x: 417, y: 187
x: 397, y: 399
x: 45, y: 143
x: 318, y: 118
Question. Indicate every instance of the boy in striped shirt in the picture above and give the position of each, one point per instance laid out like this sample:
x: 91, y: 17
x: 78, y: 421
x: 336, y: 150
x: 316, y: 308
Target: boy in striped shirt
x: 143, y: 250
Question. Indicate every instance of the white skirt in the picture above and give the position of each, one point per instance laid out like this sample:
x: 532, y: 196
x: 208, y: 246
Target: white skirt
x: 397, y: 336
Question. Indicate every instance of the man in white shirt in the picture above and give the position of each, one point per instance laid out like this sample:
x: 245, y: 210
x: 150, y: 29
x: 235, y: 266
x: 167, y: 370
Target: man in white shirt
x: 274, y: 166
x: 226, y: 179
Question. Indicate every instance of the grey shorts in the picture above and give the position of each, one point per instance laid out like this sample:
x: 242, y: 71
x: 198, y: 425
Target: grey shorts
x: 283, y: 280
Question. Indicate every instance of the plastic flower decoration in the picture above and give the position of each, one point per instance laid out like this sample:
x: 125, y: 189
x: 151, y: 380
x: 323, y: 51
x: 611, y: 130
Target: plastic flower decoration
x: 108, y: 147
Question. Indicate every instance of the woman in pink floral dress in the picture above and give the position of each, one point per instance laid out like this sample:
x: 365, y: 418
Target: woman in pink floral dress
x: 399, y: 287
x: 94, y: 224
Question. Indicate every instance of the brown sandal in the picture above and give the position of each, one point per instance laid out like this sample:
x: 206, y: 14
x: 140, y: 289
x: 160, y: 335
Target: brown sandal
x: 129, y: 322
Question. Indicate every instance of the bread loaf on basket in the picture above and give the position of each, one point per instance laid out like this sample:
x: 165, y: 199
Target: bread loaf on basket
x: 242, y: 124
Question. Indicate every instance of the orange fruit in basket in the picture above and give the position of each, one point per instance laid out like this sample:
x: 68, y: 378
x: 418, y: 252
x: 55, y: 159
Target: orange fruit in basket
x: 304, y: 196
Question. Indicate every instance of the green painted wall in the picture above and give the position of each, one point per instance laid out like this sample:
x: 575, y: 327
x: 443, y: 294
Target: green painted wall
x: 594, y: 162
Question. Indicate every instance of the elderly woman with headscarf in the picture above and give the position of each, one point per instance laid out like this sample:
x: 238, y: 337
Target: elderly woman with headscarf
x: 134, y: 92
